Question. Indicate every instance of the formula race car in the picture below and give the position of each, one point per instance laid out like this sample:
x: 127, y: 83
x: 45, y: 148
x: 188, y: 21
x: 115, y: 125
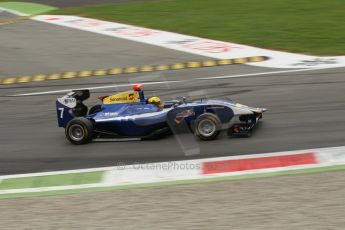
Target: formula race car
x: 130, y: 114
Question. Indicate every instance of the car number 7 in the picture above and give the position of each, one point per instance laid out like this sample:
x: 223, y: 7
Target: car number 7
x: 61, y: 113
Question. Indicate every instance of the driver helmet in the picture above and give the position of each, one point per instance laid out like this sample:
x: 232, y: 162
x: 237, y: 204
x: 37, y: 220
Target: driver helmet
x: 155, y: 101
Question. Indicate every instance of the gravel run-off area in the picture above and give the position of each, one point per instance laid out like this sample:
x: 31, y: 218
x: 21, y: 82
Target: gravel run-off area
x: 306, y: 201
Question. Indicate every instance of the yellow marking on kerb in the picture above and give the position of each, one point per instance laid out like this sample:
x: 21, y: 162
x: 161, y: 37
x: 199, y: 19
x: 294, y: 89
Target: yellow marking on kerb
x: 24, y: 79
x: 225, y: 62
x: 209, y: 63
x: 131, y: 70
x: 10, y: 80
x: 55, y: 76
x: 178, y: 66
x: 69, y: 75
x: 256, y: 59
x: 85, y: 73
x: 40, y: 77
x: 162, y: 67
x: 115, y: 71
x: 99, y: 72
x: 146, y: 68
x: 240, y: 60
x: 193, y: 64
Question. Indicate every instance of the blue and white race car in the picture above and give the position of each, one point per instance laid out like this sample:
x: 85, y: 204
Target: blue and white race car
x: 130, y: 114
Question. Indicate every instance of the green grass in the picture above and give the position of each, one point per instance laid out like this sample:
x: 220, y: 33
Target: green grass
x: 303, y: 26
x: 26, y: 7
x: 54, y: 180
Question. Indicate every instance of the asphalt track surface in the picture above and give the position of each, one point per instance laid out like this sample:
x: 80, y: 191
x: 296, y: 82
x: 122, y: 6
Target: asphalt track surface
x: 306, y: 109
x: 4, y: 15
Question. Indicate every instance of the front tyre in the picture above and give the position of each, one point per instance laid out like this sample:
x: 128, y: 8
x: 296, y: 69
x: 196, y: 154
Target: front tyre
x: 207, y: 126
x: 79, y: 131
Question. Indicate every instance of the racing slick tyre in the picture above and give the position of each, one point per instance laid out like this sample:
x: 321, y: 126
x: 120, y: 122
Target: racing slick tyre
x: 95, y: 109
x: 207, y: 126
x: 79, y: 131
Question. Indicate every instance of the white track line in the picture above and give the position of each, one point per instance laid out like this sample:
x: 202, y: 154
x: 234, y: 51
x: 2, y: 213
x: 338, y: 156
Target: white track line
x: 164, y: 82
x: 91, y: 88
x: 257, y: 74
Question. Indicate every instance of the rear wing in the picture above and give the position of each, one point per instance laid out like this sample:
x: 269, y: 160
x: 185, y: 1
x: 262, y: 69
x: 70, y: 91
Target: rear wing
x: 71, y: 105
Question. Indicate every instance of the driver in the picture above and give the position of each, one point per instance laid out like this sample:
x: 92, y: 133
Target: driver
x: 156, y: 101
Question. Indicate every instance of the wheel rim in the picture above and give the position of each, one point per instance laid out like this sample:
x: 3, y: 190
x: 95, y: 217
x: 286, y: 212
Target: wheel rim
x: 76, y: 132
x: 207, y: 128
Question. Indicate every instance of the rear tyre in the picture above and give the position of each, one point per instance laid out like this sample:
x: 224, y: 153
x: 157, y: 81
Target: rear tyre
x: 207, y: 126
x: 79, y: 131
